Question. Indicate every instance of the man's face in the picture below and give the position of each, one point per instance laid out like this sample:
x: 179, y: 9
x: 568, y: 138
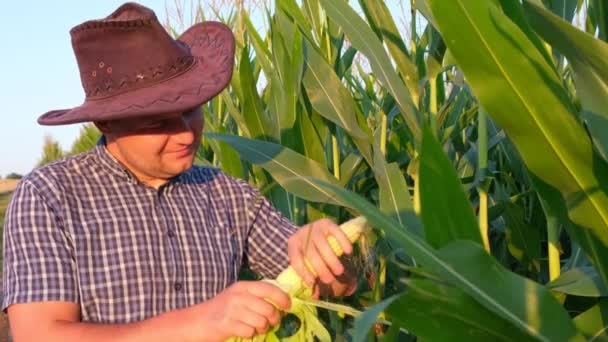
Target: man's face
x: 158, y: 147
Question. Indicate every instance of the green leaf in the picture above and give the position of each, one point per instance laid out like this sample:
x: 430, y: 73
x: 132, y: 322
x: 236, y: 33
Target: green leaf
x: 595, y: 249
x: 349, y: 165
x: 309, y: 142
x: 395, y: 199
x: 290, y: 169
x: 437, y: 312
x: 515, y: 11
x: 230, y: 161
x: 600, y: 10
x: 330, y: 98
x: 363, y: 39
x: 594, y: 322
x: 282, y: 200
x: 565, y: 9
x: 290, y: 7
x: 364, y: 322
x: 258, y: 123
x: 286, y: 70
x: 524, y: 240
x: 532, y: 300
x: 527, y: 305
x: 446, y: 212
x: 262, y: 53
x: 522, y: 93
x: 580, y: 281
x: 379, y: 16
x: 573, y: 43
x: 585, y: 54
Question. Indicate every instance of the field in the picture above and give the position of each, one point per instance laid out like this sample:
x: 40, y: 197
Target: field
x: 4, y: 198
x: 6, y: 187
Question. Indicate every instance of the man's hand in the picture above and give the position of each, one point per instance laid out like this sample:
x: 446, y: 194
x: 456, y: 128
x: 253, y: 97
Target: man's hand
x: 241, y: 310
x: 244, y: 309
x: 310, y: 244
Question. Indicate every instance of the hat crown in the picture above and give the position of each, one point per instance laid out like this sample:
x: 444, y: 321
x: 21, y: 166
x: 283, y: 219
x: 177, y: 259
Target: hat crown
x: 127, y: 50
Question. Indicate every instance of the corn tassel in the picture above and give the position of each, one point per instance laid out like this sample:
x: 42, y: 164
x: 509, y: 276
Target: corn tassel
x: 299, y: 292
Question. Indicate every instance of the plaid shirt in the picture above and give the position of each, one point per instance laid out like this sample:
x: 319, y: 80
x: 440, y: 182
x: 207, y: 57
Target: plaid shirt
x: 84, y: 230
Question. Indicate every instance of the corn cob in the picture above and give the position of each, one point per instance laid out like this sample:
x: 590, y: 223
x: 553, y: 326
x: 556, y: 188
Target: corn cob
x: 297, y: 289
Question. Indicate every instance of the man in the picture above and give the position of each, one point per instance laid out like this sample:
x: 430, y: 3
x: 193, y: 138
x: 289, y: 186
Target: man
x: 129, y: 241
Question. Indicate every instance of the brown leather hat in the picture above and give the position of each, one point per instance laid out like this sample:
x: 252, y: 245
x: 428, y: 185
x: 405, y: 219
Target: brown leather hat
x: 131, y: 67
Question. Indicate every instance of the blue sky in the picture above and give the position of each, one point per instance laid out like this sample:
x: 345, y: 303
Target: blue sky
x: 39, y: 71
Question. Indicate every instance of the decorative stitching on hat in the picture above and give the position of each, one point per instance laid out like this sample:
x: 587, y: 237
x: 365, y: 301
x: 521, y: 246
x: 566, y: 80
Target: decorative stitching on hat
x: 98, y: 88
x: 117, y: 24
x: 177, y: 98
x: 202, y: 40
x: 196, y: 92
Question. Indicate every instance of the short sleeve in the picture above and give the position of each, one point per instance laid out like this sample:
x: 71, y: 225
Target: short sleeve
x: 267, y: 238
x: 38, y: 262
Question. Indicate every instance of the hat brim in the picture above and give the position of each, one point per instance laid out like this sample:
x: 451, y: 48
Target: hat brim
x: 212, y: 45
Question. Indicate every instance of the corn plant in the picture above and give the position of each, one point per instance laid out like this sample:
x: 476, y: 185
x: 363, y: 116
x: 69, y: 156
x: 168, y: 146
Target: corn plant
x: 475, y: 148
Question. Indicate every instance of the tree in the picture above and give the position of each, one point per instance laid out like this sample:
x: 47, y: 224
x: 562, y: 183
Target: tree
x: 89, y: 135
x: 50, y: 151
x: 14, y: 175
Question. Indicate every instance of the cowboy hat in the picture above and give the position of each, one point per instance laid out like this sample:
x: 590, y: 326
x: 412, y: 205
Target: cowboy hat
x: 131, y: 67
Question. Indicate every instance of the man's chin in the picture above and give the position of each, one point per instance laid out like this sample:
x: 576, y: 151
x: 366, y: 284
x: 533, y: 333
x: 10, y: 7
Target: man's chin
x: 182, y: 165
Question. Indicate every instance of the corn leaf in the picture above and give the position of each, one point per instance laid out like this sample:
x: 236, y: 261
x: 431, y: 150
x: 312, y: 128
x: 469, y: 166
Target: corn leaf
x: 259, y: 125
x: 330, y: 98
x: 527, y: 305
x: 446, y: 212
x: 594, y: 322
x: 363, y: 39
x: 523, y: 95
x: 380, y: 18
x: 348, y: 167
x: 365, y: 321
x: 588, y: 57
x: 290, y: 169
x: 438, y: 312
x: 580, y: 281
x: 228, y: 158
x: 524, y: 240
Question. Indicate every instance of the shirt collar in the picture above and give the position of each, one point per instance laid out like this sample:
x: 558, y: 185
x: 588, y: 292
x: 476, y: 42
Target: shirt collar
x: 110, y: 163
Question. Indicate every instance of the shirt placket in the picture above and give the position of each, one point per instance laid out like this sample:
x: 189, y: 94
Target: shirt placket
x: 177, y: 282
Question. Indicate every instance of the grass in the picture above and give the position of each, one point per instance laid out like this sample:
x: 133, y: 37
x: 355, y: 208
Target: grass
x: 4, y: 199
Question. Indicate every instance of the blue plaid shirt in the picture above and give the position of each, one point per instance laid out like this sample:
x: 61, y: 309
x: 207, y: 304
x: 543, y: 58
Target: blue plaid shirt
x: 84, y: 230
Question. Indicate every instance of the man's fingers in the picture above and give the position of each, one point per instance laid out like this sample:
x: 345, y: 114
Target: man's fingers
x: 254, y: 320
x: 265, y: 309
x: 328, y: 254
x: 296, y: 259
x: 318, y: 264
x: 268, y: 291
x: 241, y: 329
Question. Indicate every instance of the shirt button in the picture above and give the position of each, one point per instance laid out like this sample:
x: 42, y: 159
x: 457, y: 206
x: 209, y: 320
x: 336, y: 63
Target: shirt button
x: 171, y: 233
x: 178, y: 287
